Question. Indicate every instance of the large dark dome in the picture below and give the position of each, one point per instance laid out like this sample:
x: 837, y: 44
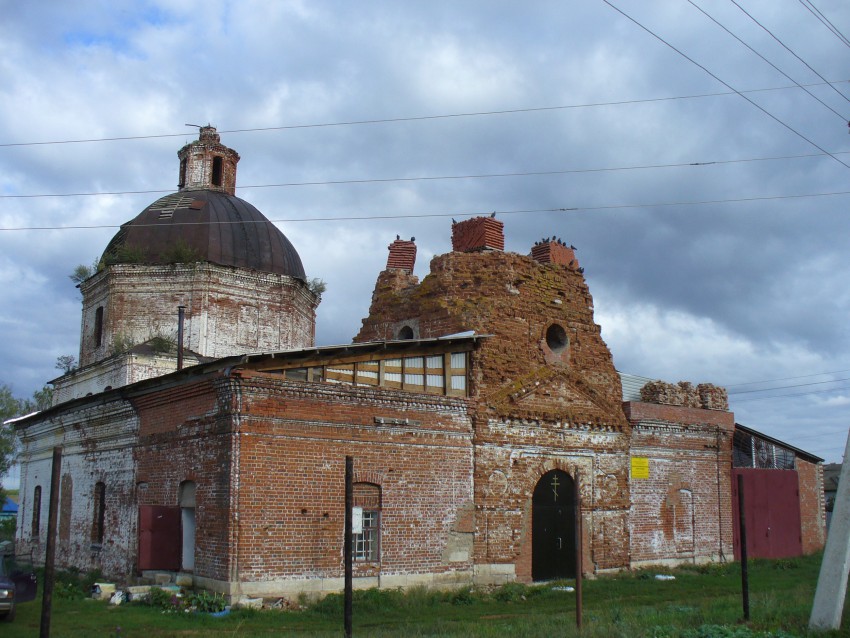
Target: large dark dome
x: 204, y: 225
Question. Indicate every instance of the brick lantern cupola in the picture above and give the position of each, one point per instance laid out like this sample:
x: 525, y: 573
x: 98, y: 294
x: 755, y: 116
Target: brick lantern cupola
x: 207, y: 164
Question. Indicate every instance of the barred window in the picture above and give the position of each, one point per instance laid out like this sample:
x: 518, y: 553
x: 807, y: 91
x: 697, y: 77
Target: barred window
x: 366, y: 543
x: 366, y: 546
x: 753, y: 451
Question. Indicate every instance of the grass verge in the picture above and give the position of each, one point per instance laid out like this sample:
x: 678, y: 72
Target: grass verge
x: 702, y: 602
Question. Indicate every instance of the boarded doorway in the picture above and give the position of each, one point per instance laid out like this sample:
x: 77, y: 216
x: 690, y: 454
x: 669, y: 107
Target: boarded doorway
x: 553, y: 540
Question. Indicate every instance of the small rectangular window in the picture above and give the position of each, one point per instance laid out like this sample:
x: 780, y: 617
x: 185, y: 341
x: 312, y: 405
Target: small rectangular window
x: 365, y: 544
x: 296, y: 374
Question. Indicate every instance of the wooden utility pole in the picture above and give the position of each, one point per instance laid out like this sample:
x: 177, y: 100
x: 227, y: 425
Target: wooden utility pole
x: 50, y: 550
x: 348, y: 539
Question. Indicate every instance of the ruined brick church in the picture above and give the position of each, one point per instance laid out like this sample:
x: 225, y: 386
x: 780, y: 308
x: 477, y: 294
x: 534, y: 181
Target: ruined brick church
x: 205, y: 433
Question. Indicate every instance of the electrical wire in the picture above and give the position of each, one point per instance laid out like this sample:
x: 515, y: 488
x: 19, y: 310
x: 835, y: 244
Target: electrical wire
x: 802, y: 376
x: 724, y: 83
x: 787, y: 48
x: 452, y: 214
x: 701, y: 10
x: 417, y: 118
x: 786, y: 396
x: 785, y: 387
x: 825, y: 21
x: 380, y: 180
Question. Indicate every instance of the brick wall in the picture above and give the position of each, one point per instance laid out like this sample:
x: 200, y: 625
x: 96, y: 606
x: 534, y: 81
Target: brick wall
x: 402, y: 255
x: 682, y: 510
x: 812, y: 512
x: 292, y: 447
x: 95, y: 440
x: 228, y: 310
x: 554, y: 251
x: 477, y: 234
x: 545, y: 392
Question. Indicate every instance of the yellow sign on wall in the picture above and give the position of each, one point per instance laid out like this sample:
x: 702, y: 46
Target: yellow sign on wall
x: 640, y: 467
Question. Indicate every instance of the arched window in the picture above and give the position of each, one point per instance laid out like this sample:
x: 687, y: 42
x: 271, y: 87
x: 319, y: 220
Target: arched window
x: 98, y: 517
x: 556, y: 338
x: 367, y: 543
x: 182, y: 173
x: 406, y: 333
x: 98, y: 327
x: 36, y: 512
x: 216, y: 171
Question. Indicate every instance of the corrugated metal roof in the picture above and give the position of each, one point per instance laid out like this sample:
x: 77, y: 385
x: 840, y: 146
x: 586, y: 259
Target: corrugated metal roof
x: 632, y: 384
x: 226, y: 364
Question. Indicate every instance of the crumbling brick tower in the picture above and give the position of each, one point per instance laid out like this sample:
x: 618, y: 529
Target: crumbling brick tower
x: 545, y: 397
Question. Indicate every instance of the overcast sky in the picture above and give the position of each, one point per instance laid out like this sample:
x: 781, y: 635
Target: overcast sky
x: 706, y: 191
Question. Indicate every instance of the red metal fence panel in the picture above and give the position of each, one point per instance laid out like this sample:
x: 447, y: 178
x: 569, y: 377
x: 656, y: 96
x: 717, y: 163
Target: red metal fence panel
x: 772, y: 508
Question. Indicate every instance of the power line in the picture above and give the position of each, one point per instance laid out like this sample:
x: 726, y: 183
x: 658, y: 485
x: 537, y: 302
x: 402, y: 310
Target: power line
x: 785, y: 387
x: 456, y: 213
x: 380, y: 180
x: 802, y: 376
x: 417, y: 118
x: 786, y: 396
x: 701, y: 10
x: 727, y: 85
x: 787, y: 48
x: 825, y: 21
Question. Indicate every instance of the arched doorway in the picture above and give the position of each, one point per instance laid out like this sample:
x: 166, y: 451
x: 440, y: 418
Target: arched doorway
x: 553, y: 528
x: 187, y: 523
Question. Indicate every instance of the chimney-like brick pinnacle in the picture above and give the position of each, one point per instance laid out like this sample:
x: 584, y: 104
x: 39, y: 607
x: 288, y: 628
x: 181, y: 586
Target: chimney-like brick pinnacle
x: 477, y: 234
x: 554, y: 251
x: 402, y: 255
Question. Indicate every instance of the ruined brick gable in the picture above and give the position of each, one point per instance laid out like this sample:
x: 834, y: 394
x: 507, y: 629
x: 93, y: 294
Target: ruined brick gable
x: 516, y: 299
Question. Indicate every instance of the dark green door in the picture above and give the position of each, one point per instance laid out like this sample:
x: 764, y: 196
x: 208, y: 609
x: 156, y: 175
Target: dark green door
x: 553, y: 538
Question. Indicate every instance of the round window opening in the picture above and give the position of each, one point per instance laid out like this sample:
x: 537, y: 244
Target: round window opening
x: 556, y: 338
x: 405, y: 333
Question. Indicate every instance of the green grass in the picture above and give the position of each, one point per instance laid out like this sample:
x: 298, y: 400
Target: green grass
x: 702, y: 602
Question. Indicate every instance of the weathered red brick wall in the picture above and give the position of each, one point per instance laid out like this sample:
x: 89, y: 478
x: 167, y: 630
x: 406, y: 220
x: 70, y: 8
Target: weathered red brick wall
x: 402, y: 255
x: 682, y: 510
x: 478, y: 233
x: 812, y: 516
x: 636, y: 411
x: 684, y: 393
x: 293, y: 441
x: 185, y: 434
x: 554, y: 251
x: 545, y: 394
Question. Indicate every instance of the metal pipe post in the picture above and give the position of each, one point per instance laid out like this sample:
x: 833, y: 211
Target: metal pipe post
x: 742, y: 534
